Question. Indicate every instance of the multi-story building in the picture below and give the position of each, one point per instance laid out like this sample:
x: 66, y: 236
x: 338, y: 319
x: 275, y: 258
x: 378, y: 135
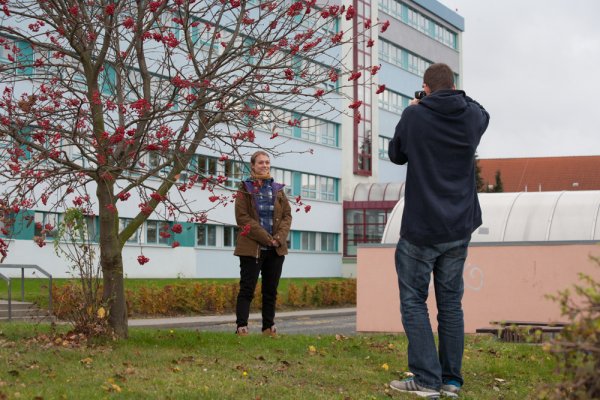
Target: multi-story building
x: 338, y: 167
x: 421, y: 32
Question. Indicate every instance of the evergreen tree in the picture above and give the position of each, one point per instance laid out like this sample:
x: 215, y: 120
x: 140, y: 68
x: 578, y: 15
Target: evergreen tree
x: 478, y: 180
x: 498, y: 187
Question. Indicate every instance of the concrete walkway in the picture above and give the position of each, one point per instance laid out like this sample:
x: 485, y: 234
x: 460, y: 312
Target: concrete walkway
x: 198, y: 321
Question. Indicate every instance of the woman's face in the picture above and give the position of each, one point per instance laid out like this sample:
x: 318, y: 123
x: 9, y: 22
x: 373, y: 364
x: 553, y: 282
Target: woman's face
x: 262, y: 165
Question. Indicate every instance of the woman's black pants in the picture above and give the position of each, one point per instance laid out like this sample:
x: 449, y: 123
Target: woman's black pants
x: 269, y: 265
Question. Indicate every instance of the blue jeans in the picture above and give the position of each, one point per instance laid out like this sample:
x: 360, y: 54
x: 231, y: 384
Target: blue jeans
x: 414, y: 265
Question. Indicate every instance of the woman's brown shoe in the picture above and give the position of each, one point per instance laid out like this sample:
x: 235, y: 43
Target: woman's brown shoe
x: 241, y: 331
x: 272, y: 331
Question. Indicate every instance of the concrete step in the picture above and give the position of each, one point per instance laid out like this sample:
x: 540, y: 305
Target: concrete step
x: 23, y: 311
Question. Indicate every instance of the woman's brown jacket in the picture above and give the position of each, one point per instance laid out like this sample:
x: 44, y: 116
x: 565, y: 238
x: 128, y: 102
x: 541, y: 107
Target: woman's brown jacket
x: 250, y: 241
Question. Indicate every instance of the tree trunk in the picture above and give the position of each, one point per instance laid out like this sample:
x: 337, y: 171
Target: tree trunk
x: 111, y: 261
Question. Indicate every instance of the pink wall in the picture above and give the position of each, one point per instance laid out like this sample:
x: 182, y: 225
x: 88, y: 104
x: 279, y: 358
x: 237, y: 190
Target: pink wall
x: 501, y: 283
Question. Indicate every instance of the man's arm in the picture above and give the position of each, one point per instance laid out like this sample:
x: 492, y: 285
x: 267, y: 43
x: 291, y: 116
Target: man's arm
x: 395, y: 148
x: 485, y: 116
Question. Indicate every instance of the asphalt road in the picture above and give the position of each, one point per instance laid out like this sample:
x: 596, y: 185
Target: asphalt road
x: 304, y: 325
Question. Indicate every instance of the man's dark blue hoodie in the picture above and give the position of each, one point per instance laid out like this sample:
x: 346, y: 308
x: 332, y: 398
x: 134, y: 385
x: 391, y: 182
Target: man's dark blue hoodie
x: 438, y: 138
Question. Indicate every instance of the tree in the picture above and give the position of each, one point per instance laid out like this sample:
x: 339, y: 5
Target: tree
x: 479, y: 184
x: 105, y: 102
x: 498, y: 187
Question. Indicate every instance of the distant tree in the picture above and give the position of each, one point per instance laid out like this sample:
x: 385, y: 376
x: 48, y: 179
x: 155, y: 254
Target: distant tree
x: 498, y: 186
x: 481, y: 187
x: 104, y: 100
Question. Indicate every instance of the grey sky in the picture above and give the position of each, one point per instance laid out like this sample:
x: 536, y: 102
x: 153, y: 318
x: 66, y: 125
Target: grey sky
x: 535, y: 66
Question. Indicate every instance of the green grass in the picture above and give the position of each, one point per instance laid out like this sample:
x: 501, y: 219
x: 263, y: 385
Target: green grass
x: 36, y: 289
x: 184, y: 364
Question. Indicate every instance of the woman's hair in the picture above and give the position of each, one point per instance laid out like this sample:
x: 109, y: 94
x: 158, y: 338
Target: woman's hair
x: 439, y: 76
x: 256, y: 154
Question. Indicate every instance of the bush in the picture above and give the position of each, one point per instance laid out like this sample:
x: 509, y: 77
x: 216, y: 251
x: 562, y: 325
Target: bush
x: 577, y: 348
x: 210, y: 298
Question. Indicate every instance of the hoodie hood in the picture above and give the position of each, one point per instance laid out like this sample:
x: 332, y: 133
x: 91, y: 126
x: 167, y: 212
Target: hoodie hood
x: 446, y: 102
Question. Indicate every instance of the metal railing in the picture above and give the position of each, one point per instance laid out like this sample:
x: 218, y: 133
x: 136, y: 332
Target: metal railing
x: 23, y: 267
x: 7, y: 279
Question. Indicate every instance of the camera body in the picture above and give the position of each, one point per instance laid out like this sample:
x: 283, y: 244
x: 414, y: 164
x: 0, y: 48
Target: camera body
x: 419, y: 94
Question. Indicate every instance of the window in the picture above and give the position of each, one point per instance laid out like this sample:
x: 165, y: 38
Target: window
x: 285, y: 177
x: 329, y: 242
x: 309, y: 186
x: 392, y: 101
x: 363, y: 226
x: 73, y: 74
x: 234, y: 171
x: 318, y: 187
x: 47, y: 222
x: 158, y: 232
x: 122, y: 224
x: 206, y: 235
x: 276, y: 121
x: 230, y: 236
x: 207, y: 165
x: 328, y: 133
x: 318, y: 131
x: 384, y: 144
x: 403, y: 58
x: 308, y: 241
x: 327, y: 189
x: 45, y: 57
x: 133, y: 84
x: 308, y: 128
x: 423, y: 24
x: 155, y: 160
x: 315, y: 72
x: 7, y: 48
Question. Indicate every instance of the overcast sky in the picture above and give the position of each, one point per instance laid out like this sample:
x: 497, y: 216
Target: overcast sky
x: 535, y: 66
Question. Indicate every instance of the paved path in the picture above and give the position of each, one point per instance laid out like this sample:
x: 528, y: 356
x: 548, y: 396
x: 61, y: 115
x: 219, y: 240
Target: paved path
x: 323, y: 321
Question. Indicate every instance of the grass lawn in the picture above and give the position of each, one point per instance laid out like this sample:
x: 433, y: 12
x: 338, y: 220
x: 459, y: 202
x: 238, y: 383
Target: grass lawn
x: 183, y: 364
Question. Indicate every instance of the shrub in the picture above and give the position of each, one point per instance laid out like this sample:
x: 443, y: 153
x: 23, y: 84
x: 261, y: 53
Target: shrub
x: 208, y: 298
x: 577, y: 348
x: 80, y: 303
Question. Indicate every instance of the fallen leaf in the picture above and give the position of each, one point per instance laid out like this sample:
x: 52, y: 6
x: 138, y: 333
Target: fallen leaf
x: 113, y: 387
x: 86, y: 361
x: 385, y: 366
x: 101, y: 313
x: 312, y: 349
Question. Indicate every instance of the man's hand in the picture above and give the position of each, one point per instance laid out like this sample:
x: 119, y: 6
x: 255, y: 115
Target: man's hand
x: 413, y: 102
x: 275, y: 243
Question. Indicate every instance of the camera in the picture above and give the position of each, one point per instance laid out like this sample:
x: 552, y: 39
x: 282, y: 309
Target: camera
x: 419, y: 94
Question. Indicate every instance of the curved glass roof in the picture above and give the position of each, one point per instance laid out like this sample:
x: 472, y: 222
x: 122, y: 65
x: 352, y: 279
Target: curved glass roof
x: 378, y: 191
x: 527, y: 217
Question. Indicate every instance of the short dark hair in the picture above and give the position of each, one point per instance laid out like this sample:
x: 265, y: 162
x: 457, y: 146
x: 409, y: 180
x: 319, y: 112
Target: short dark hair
x: 439, y: 76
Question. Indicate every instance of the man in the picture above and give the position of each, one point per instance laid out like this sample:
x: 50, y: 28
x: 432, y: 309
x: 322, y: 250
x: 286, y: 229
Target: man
x: 437, y: 136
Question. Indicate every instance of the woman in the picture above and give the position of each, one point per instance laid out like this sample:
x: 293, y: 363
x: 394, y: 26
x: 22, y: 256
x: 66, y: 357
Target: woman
x: 264, y: 215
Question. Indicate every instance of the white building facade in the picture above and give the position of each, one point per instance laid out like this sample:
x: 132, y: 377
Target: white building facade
x: 336, y: 166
